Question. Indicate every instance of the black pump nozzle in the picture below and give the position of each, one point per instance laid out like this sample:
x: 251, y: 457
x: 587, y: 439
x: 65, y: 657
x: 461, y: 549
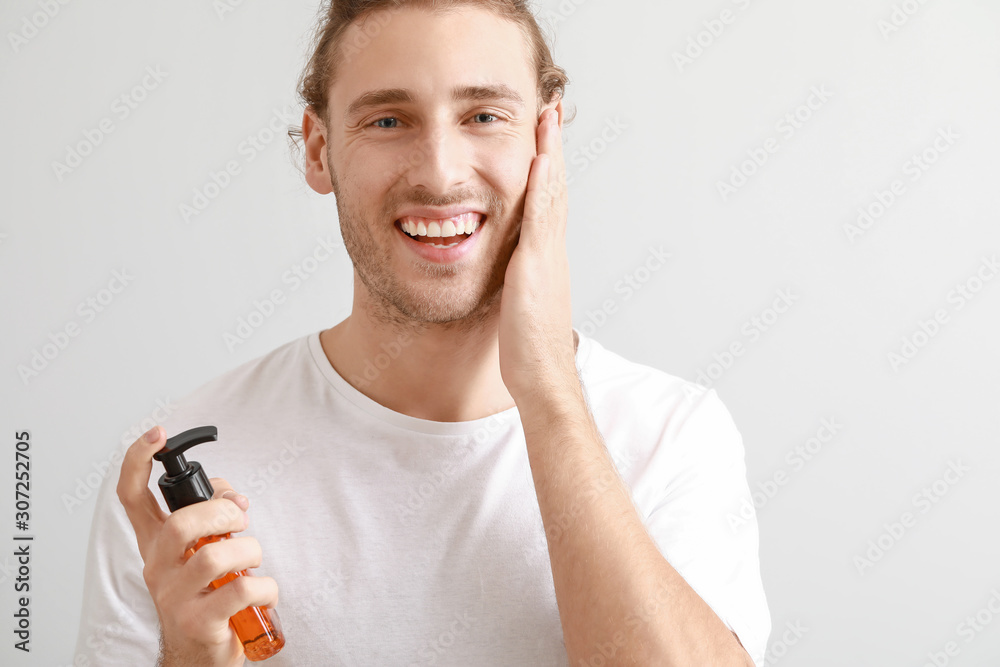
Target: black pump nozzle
x: 185, y: 483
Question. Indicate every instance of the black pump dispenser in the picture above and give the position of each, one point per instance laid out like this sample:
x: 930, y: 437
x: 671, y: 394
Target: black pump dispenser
x: 185, y: 483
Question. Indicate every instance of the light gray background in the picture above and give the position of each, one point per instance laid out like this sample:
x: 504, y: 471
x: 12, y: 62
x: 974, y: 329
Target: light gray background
x: 651, y: 182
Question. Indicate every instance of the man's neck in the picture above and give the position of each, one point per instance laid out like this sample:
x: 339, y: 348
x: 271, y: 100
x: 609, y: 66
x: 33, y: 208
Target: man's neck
x: 436, y: 373
x: 433, y: 373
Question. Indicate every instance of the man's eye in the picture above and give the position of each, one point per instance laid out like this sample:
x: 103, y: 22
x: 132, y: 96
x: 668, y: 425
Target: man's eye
x: 394, y: 119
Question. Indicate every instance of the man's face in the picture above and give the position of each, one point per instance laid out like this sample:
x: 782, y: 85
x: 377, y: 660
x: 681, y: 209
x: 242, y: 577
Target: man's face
x: 433, y: 151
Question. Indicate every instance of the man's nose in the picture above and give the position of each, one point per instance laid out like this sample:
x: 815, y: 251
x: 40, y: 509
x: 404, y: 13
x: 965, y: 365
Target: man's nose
x: 439, y: 160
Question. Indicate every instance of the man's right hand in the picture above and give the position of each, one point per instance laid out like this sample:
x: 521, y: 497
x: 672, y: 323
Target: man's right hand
x: 194, y: 617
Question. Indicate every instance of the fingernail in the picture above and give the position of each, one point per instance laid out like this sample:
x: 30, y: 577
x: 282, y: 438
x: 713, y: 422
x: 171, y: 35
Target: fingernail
x: 153, y: 434
x: 238, y: 498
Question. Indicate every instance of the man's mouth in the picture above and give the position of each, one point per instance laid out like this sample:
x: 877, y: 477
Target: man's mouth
x: 441, y: 233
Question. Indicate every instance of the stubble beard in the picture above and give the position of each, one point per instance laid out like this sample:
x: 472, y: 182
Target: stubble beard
x: 463, y: 306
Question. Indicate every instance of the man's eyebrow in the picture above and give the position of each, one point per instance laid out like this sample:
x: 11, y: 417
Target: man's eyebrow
x: 374, y: 98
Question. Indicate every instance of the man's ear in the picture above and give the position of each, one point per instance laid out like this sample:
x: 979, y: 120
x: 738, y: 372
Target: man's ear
x: 314, y: 138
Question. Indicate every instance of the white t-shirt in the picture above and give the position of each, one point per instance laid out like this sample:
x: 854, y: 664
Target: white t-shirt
x: 401, y: 541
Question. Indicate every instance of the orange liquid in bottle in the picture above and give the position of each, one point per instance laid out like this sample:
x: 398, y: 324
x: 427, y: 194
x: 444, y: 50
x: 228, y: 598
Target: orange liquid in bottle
x: 258, y: 628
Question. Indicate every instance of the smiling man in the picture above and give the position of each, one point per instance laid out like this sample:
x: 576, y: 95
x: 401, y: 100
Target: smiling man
x: 453, y: 474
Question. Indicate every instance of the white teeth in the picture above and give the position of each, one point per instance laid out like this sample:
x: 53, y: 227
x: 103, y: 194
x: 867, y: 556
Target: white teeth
x: 467, y: 223
x: 438, y: 245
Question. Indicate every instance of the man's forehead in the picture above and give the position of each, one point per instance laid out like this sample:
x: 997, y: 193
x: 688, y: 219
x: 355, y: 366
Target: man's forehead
x: 481, y: 92
x: 489, y: 60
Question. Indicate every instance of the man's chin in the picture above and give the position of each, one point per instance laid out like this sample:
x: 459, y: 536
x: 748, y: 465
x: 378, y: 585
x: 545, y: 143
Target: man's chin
x: 461, y: 309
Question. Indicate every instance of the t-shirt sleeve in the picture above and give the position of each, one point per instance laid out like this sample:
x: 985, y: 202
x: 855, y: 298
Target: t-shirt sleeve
x: 705, y: 523
x: 118, y: 621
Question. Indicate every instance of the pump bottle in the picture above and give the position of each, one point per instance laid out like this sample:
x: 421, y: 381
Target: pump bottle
x: 185, y: 483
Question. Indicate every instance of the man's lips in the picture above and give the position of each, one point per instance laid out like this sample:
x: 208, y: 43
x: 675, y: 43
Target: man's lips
x: 454, y: 228
x: 440, y: 249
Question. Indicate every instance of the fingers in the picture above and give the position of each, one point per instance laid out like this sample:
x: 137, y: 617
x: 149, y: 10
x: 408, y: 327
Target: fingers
x: 220, y: 486
x: 546, y: 197
x: 537, y: 197
x: 224, y: 490
x: 214, y: 561
x: 557, y: 171
x: 243, y: 592
x: 140, y: 505
x: 198, y: 630
x: 182, y: 529
x: 549, y: 142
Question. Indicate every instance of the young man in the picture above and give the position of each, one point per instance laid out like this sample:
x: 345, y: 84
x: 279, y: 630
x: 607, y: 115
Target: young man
x: 452, y: 474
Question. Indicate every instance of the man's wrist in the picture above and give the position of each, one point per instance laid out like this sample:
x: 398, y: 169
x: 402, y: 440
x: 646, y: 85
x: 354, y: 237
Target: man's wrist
x: 553, y: 403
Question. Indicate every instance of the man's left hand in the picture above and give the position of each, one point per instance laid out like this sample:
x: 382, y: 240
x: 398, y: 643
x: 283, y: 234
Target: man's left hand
x: 537, y: 350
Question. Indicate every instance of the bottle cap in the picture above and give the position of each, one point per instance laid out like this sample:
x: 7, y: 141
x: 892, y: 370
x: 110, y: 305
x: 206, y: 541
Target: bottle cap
x: 185, y: 482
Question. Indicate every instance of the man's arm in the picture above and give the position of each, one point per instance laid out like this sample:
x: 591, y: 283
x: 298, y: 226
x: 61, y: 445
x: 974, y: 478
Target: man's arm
x: 618, y: 596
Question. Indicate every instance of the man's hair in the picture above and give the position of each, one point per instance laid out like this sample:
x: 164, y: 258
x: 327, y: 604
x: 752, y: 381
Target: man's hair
x: 330, y: 53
